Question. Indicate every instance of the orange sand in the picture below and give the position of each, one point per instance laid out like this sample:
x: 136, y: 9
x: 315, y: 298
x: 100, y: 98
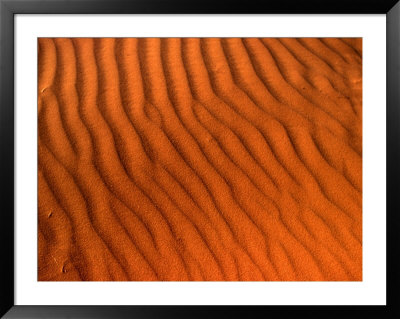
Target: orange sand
x: 200, y: 159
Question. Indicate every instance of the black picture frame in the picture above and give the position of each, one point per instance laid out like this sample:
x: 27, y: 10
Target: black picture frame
x: 8, y: 8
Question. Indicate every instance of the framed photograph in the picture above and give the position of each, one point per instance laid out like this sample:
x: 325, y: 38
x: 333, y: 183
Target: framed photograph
x: 176, y: 159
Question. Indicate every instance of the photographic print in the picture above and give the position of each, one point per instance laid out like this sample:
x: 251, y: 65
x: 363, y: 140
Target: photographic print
x: 200, y: 159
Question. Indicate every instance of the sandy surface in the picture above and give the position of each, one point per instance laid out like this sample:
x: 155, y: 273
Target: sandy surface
x: 200, y: 159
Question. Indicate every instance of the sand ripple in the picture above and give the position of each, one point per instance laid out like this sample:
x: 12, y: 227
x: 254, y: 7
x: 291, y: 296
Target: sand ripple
x: 200, y: 159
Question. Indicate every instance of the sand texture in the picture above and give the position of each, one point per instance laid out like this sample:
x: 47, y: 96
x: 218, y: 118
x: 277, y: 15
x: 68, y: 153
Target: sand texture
x: 200, y: 159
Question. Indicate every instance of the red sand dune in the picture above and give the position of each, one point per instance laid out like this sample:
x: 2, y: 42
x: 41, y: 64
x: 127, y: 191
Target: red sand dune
x: 200, y: 159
